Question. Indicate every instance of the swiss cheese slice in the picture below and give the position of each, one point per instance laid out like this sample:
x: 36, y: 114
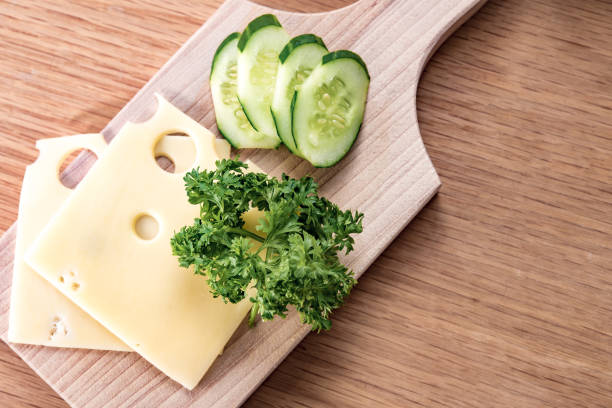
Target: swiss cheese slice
x: 133, y: 286
x: 39, y: 314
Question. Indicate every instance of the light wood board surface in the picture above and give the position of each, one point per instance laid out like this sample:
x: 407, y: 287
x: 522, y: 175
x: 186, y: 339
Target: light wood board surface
x: 386, y: 175
x: 498, y: 294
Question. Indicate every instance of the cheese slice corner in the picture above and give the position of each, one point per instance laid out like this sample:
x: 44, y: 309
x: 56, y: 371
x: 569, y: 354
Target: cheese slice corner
x: 130, y: 284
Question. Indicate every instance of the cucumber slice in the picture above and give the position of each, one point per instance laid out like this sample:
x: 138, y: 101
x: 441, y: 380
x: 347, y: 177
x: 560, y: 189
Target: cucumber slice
x: 231, y: 120
x: 328, y: 109
x: 259, y: 46
x: 297, y: 60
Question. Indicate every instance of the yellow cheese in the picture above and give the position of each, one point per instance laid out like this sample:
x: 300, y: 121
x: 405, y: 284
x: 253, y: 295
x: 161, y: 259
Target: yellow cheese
x: 181, y: 151
x: 39, y: 313
x: 134, y: 286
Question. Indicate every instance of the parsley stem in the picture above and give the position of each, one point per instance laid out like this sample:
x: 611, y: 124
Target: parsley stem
x: 246, y: 233
x: 253, y: 316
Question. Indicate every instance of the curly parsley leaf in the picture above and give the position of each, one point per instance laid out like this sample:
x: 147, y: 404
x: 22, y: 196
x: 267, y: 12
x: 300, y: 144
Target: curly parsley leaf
x: 291, y: 258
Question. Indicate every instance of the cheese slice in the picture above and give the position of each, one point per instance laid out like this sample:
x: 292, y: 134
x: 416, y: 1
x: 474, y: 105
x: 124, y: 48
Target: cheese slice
x: 39, y: 313
x: 134, y: 286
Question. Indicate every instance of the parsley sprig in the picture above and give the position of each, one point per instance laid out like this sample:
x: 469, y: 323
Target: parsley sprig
x: 292, y: 259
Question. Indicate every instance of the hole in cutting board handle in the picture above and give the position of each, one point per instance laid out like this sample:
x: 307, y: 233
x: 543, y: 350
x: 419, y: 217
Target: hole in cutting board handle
x: 304, y: 6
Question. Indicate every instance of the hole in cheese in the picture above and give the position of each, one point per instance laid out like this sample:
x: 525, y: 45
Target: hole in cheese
x: 146, y: 227
x: 79, y: 161
x: 57, y: 327
x: 165, y: 163
x: 183, y: 152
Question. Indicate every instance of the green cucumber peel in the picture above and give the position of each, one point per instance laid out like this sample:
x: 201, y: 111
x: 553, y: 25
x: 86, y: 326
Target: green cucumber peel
x: 292, y: 130
x: 245, y: 113
x: 335, y: 55
x: 262, y: 21
x: 295, y: 42
x: 227, y: 40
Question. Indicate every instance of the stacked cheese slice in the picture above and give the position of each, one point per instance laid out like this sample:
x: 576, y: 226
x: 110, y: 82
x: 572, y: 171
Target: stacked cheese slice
x: 110, y: 280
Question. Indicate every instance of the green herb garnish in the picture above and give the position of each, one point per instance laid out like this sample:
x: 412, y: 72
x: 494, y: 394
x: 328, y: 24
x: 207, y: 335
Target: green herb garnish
x: 291, y: 259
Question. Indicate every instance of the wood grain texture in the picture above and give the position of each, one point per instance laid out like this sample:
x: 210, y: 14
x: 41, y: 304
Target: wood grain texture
x: 499, y: 293
x: 387, y: 175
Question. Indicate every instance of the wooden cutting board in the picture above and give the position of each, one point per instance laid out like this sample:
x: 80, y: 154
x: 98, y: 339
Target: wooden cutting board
x: 387, y: 175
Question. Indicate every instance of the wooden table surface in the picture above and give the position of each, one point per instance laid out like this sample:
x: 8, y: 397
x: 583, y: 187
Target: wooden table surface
x: 499, y: 294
